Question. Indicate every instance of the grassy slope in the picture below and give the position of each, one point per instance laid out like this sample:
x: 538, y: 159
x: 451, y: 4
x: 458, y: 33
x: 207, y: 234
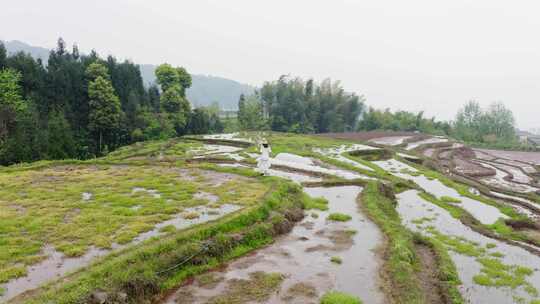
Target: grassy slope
x: 144, y: 262
x: 45, y: 207
x: 140, y: 271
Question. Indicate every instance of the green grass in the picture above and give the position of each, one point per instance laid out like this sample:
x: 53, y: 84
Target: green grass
x: 339, y: 217
x: 373, y: 154
x: 449, y: 199
x: 336, y: 260
x: 446, y: 269
x: 336, y: 297
x: 402, y: 263
x: 45, y: 207
x: 497, y: 274
x: 140, y: 268
x: 319, y: 203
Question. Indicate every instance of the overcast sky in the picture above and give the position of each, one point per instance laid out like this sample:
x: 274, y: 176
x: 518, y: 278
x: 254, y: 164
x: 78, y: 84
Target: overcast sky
x: 414, y: 55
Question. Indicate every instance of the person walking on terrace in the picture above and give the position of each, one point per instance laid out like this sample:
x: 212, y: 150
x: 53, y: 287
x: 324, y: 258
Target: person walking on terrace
x: 263, y: 162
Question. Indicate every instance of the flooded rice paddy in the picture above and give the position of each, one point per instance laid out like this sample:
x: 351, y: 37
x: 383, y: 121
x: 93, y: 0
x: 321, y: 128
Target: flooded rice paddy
x: 500, y: 180
x: 307, y: 164
x: 57, y: 264
x: 431, y: 140
x: 486, y: 214
x: 303, y: 258
x: 424, y: 217
x: 390, y: 140
x: 337, y: 154
x: 319, y: 254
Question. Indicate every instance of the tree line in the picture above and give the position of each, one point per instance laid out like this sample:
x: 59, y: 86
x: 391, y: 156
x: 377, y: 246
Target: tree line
x: 82, y: 106
x: 294, y: 105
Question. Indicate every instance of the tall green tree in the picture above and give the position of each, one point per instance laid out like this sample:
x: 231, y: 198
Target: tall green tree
x: 496, y: 124
x: 11, y: 101
x: 174, y: 82
x: 105, y: 109
x: 3, y: 55
x: 295, y: 105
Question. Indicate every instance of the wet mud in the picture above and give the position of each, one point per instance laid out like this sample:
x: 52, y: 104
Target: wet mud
x: 304, y: 257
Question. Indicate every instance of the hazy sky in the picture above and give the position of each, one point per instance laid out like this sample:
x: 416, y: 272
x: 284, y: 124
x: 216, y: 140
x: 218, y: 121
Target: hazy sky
x: 414, y: 55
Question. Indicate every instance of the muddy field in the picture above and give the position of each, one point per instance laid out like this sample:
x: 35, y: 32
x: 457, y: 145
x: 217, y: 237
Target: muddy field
x: 528, y: 157
x: 197, y: 222
x: 366, y: 136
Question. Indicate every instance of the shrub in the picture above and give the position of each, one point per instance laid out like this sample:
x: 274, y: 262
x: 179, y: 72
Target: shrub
x: 335, y: 297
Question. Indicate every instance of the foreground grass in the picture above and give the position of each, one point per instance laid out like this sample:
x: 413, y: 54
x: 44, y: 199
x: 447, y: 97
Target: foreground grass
x: 47, y: 207
x: 155, y: 266
x: 335, y: 297
x: 339, y: 217
x: 401, y: 262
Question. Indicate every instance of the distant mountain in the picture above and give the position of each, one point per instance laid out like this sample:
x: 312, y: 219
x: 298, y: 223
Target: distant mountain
x: 15, y: 46
x: 204, y: 91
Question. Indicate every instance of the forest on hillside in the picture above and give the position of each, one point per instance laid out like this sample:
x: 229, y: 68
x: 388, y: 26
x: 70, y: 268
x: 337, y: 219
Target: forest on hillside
x: 82, y: 106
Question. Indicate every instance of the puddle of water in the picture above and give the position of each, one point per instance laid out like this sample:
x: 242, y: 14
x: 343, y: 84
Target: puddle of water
x: 517, y: 174
x: 179, y: 222
x: 294, y: 255
x: 486, y: 214
x: 411, y: 207
x: 208, y: 149
x: 337, y: 154
x: 154, y: 193
x: 234, y: 156
x: 390, y: 140
x: 394, y: 165
x: 228, y: 136
x: 520, y: 209
x: 211, y: 149
x: 307, y: 164
x: 212, y: 198
x: 57, y: 264
x: 86, y: 196
x: 526, y: 167
x: 293, y: 158
x: 295, y: 177
x: 432, y: 140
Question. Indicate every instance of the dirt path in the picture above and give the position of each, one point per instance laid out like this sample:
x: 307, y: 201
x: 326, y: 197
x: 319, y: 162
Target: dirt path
x: 432, y: 290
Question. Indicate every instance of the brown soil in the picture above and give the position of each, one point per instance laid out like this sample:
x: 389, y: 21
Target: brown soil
x: 364, y: 136
x: 224, y: 142
x: 527, y: 157
x: 302, y: 289
x: 471, y: 169
x: 429, y: 282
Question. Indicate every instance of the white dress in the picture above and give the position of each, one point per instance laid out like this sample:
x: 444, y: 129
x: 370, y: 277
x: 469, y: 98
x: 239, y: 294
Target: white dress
x: 263, y: 162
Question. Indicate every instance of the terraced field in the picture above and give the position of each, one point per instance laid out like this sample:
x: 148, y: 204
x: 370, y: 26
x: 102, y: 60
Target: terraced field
x: 193, y: 220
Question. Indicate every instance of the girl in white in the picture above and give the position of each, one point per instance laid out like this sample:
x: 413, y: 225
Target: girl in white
x: 263, y: 163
